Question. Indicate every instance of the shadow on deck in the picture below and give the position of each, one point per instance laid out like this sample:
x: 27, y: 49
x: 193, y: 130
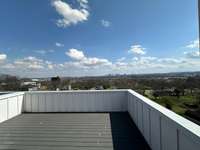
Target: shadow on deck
x: 125, y: 134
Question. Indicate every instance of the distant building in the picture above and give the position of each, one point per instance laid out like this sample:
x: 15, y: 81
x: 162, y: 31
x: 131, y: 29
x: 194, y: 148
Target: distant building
x: 31, y: 83
x: 33, y: 89
x: 69, y: 87
x: 97, y: 88
x: 35, y: 80
x: 3, y: 84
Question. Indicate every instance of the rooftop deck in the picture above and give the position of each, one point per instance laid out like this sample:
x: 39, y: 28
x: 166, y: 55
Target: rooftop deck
x: 74, y: 120
x: 74, y: 131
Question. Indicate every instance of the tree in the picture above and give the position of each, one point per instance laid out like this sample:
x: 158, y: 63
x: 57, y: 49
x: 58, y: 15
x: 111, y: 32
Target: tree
x: 12, y: 83
x: 191, y: 84
x: 179, y: 84
x: 155, y: 94
x: 198, y: 98
x: 177, y: 92
x: 55, y: 81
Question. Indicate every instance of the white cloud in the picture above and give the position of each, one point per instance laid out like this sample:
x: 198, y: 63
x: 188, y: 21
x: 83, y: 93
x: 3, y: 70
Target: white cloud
x: 59, y: 44
x: 49, y: 64
x: 29, y: 67
x: 120, y: 66
x: 169, y: 60
x: 137, y: 49
x: 3, y: 57
x: 8, y: 66
x: 93, y: 62
x: 32, y: 66
x: 70, y: 15
x: 84, y: 61
x: 150, y: 58
x: 193, y: 44
x: 75, y: 54
x: 105, y: 23
x: 43, y: 52
x: 194, y: 54
x: 135, y: 58
x: 29, y: 63
x: 72, y: 64
x: 81, y: 64
x: 83, y: 3
x: 154, y: 65
x: 121, y: 59
x: 51, y: 51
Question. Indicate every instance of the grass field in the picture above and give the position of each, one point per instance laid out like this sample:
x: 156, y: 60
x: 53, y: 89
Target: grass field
x: 179, y: 105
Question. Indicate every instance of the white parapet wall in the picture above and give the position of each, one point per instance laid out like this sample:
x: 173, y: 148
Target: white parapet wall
x: 76, y: 101
x: 162, y: 128
x: 10, y: 105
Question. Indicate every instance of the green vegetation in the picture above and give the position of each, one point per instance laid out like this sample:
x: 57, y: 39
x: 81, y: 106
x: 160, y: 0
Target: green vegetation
x: 179, y: 105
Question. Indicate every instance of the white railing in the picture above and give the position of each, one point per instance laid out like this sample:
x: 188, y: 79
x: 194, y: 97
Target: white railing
x: 10, y: 105
x: 76, y: 101
x: 162, y: 128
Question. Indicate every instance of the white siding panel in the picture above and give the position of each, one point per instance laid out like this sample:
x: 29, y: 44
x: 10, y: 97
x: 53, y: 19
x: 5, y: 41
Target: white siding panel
x: 136, y: 111
x: 57, y: 100
x: 187, y: 142
x: 132, y: 104
x: 34, y: 102
x: 49, y: 102
x: 27, y: 102
x: 155, y: 130
x: 42, y: 103
x: 101, y: 102
x: 169, y: 135
x: 85, y: 102
x: 62, y: 103
x: 76, y: 101
x: 20, y: 104
x: 146, y: 123
x: 140, y: 116
x: 3, y: 110
x: 132, y: 107
x: 69, y: 102
x: 12, y: 107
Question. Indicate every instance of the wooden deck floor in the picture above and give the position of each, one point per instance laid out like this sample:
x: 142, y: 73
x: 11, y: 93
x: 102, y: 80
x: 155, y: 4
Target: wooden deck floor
x: 71, y: 131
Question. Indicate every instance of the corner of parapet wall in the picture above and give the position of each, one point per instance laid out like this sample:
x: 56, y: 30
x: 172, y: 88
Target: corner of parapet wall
x: 11, y: 105
x: 165, y: 125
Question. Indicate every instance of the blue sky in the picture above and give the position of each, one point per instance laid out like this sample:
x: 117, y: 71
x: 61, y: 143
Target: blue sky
x: 98, y: 37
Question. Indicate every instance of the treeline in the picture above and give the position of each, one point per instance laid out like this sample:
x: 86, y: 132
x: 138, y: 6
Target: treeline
x: 10, y: 83
x: 179, y: 85
x: 187, y: 84
x: 190, y: 83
